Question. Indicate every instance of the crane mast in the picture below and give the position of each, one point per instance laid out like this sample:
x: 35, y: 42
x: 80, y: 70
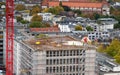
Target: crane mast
x: 9, y: 36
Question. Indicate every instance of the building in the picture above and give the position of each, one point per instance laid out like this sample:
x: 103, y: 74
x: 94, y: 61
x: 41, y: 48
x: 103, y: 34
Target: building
x: 107, y: 65
x: 66, y: 27
x: 82, y: 5
x: 46, y: 16
x: 58, y: 55
x: 1, y: 49
x: 47, y: 29
x: 98, y: 35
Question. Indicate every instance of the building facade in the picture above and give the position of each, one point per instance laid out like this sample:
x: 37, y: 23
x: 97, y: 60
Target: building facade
x: 54, y: 59
x: 1, y: 48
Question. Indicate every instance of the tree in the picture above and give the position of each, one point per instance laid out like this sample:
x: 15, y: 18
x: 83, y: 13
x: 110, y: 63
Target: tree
x: 20, y: 7
x: 96, y: 16
x: 45, y: 10
x: 117, y: 57
x: 66, y: 8
x: 78, y: 27
x: 89, y: 28
x: 19, y: 18
x: 60, y: 3
x: 117, y: 26
x: 36, y: 18
x: 113, y: 48
x: 36, y: 9
x: 24, y: 21
x: 46, y: 24
x: 101, y: 48
x: 56, y: 10
x: 36, y: 24
x: 77, y: 11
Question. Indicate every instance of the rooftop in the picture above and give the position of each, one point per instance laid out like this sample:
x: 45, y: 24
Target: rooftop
x: 77, y: 4
x: 56, y: 43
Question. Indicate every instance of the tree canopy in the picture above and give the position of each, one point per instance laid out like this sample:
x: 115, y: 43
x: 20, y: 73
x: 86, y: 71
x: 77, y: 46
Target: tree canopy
x: 19, y: 18
x: 36, y: 24
x: 20, y: 7
x: 112, y: 50
x: 78, y: 27
x: 36, y: 18
x: 35, y: 9
x: 54, y: 10
x: 89, y: 28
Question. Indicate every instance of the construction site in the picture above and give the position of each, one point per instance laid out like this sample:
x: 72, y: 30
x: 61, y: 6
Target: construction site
x: 56, y: 55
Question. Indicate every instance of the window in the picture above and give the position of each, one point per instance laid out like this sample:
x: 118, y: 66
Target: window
x: 47, y: 69
x: 53, y: 69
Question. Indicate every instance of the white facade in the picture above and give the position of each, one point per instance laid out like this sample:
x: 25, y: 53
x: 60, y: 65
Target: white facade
x: 105, y: 27
x: 26, y: 16
x: 46, y: 16
x: 64, y: 28
x: 97, y: 35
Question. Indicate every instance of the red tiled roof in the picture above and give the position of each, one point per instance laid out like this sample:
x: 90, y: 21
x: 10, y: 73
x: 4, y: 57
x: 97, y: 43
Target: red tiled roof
x: 48, y: 29
x: 77, y: 4
x: 44, y: 2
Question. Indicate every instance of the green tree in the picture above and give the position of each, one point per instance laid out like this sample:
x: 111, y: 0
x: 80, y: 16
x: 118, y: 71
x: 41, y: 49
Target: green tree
x: 36, y: 18
x: 78, y: 27
x: 66, y: 8
x: 20, y: 7
x: 117, y: 57
x: 36, y: 9
x: 56, y: 10
x: 36, y: 24
x: 96, y: 16
x: 19, y: 18
x: 117, y: 26
x: 77, y: 11
x: 89, y: 28
x: 113, y: 48
x: 24, y: 21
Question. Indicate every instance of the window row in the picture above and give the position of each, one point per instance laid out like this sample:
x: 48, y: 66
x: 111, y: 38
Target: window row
x: 65, y: 61
x: 65, y: 53
x: 65, y: 69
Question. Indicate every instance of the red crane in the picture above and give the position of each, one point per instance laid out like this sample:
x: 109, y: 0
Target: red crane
x: 9, y: 36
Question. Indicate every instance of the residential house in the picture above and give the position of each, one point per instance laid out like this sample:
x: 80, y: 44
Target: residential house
x: 107, y: 20
x: 98, y: 35
x: 65, y: 27
x: 46, y: 16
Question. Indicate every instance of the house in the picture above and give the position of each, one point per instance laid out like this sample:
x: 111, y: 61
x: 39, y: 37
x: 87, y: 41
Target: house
x: 85, y: 7
x: 106, y: 27
x: 64, y: 27
x: 98, y: 35
x: 107, y: 20
x: 46, y: 16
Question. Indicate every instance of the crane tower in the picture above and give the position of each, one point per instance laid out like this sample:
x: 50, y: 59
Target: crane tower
x: 9, y: 36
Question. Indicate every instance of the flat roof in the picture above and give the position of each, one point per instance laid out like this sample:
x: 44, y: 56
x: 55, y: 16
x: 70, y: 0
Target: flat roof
x: 57, y: 43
